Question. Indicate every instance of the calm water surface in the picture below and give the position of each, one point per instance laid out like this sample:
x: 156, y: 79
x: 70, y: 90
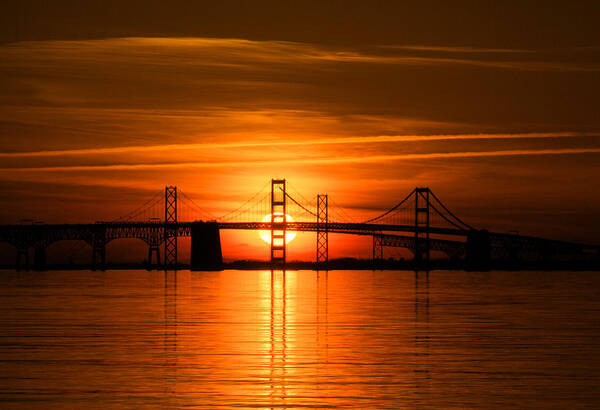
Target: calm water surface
x: 349, y: 339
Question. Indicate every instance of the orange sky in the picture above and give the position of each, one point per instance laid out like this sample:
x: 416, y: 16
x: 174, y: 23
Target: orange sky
x: 499, y: 119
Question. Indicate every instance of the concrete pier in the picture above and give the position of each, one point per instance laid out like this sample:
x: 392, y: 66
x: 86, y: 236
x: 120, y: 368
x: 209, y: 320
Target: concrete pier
x: 206, y: 247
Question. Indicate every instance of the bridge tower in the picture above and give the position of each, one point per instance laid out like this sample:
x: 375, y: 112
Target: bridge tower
x: 322, y: 232
x: 422, y: 225
x: 170, y: 226
x: 278, y: 221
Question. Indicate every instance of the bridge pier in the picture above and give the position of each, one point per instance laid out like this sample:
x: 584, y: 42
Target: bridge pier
x: 153, y: 249
x: 377, y: 248
x: 99, y: 257
x: 154, y: 238
x: 478, y: 250
x: 206, y: 246
x: 99, y: 247
x: 22, y: 253
x: 39, y: 258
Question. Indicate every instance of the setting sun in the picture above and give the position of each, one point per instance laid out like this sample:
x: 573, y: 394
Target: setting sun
x: 265, y: 235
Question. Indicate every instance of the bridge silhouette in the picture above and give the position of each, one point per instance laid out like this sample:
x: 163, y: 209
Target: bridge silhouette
x: 420, y: 222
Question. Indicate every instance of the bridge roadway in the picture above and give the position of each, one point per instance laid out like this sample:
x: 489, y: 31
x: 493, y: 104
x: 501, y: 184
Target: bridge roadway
x: 150, y: 232
x: 100, y: 233
x: 339, y: 227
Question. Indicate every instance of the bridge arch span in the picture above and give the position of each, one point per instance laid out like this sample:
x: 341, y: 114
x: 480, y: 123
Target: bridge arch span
x: 74, y: 251
x: 132, y: 250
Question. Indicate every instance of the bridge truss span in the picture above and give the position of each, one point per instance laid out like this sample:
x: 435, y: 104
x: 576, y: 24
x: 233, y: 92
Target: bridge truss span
x: 421, y: 222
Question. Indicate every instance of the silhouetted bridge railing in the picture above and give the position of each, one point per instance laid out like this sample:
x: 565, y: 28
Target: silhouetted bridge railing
x: 416, y: 223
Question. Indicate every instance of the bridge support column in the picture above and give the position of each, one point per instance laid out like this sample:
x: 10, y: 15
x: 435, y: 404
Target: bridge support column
x: 377, y: 248
x: 99, y: 257
x: 39, y: 258
x: 278, y: 221
x: 99, y: 248
x: 206, y: 247
x: 422, y: 225
x: 153, y: 250
x: 155, y: 236
x: 478, y: 250
x: 170, y: 228
x: 22, y: 253
x: 322, y: 232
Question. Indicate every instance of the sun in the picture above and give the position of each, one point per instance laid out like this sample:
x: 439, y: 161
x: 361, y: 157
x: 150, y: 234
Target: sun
x: 266, y: 235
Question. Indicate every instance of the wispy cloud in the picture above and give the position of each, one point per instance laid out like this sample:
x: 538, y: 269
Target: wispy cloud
x: 458, y: 49
x: 284, y: 143
x: 247, y: 54
x: 99, y: 93
x: 321, y: 160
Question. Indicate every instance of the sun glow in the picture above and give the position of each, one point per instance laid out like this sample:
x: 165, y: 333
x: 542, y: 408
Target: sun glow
x: 265, y: 235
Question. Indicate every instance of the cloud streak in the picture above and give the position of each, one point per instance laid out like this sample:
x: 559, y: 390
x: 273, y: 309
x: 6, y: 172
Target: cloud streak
x: 322, y: 160
x: 284, y: 143
x: 458, y: 49
x: 244, y: 54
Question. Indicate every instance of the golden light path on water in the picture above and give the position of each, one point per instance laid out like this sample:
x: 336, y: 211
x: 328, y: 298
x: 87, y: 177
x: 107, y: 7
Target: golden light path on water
x: 265, y: 235
x: 299, y: 339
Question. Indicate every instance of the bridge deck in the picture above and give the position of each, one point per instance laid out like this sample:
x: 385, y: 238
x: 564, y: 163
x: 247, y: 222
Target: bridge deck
x: 31, y: 234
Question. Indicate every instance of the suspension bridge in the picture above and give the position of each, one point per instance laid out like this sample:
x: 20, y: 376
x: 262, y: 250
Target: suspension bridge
x: 420, y: 222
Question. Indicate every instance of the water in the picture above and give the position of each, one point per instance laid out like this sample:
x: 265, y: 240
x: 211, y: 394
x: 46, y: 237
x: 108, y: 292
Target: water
x: 350, y: 339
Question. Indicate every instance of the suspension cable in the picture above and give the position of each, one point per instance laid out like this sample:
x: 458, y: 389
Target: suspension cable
x: 450, y: 212
x: 445, y: 218
x: 300, y: 205
x: 140, y: 208
x: 244, y: 204
x: 296, y: 191
x: 198, y: 207
x: 340, y: 211
x: 393, y: 209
